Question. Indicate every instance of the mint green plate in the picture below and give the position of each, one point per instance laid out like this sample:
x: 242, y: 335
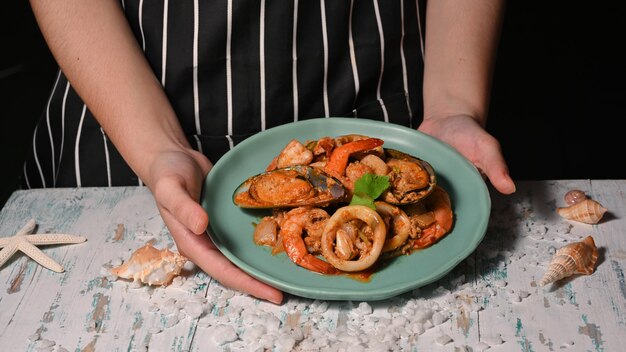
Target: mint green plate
x: 231, y: 227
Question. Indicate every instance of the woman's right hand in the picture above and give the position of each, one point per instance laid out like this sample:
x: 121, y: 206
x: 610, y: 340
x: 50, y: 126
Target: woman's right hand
x: 176, y: 179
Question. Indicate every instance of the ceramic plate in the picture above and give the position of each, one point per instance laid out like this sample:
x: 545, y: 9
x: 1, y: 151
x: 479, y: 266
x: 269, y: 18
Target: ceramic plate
x: 231, y: 227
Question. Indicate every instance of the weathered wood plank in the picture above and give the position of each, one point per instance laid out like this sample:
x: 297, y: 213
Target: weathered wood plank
x: 491, y: 299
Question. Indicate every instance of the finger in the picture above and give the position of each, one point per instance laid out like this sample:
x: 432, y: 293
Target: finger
x: 202, y: 252
x: 175, y: 198
x: 494, y: 166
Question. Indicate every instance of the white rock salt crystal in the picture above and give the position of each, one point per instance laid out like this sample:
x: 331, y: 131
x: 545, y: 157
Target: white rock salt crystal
x: 205, y: 323
x: 494, y: 340
x: 169, y: 307
x: 457, y: 281
x: 439, y: 318
x: 476, y: 307
x: 45, y: 343
x: 253, y: 333
x: 227, y: 294
x: 308, y: 345
x: 423, y: 314
x: 177, y: 281
x: 443, y: 339
x: 193, y: 309
x: 171, y: 321
x: 116, y: 262
x: 321, y: 307
x: 253, y: 347
x: 223, y: 334
x: 364, y: 308
x: 500, y: 283
x: 272, y: 323
x: 34, y: 337
x: 481, y: 346
x: 567, y: 343
x: 524, y: 294
x: 441, y: 291
x: 399, y: 321
x: 284, y: 343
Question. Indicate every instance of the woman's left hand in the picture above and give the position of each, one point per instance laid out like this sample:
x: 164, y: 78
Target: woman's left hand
x: 468, y: 137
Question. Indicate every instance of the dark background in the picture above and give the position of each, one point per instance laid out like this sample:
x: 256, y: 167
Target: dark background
x: 558, y: 99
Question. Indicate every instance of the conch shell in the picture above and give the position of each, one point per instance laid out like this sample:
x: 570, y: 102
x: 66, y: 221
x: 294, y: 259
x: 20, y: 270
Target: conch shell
x: 151, y: 266
x: 588, y: 211
x: 574, y: 258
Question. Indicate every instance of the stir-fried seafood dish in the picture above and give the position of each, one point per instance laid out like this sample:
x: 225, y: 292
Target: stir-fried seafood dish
x: 339, y: 204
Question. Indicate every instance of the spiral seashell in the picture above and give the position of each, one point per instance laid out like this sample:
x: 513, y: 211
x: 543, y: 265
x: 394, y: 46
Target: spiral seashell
x: 151, y: 266
x: 588, y: 211
x: 574, y: 196
x: 574, y: 258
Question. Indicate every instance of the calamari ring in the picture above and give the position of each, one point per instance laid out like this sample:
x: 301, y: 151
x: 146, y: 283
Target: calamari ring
x: 399, y: 222
x: 342, y: 215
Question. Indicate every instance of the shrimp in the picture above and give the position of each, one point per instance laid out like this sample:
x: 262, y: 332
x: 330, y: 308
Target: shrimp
x: 291, y: 230
x: 294, y: 153
x: 338, y: 161
x: 439, y: 203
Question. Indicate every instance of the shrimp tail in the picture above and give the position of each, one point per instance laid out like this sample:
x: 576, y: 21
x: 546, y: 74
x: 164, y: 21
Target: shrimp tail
x: 338, y: 161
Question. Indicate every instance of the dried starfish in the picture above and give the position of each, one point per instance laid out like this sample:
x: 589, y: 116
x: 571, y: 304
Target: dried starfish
x: 25, y: 242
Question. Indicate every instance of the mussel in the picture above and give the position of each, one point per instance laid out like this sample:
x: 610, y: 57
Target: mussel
x: 292, y: 186
x: 411, y: 178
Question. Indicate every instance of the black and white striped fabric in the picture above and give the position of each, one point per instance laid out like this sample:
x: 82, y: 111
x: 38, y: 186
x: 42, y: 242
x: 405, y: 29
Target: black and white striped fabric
x: 232, y: 68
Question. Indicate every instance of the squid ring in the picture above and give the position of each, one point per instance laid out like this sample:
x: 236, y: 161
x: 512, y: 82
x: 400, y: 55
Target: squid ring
x: 399, y: 224
x: 342, y: 215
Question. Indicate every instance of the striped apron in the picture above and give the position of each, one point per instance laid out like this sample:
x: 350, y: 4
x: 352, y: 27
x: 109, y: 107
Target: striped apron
x: 233, y: 68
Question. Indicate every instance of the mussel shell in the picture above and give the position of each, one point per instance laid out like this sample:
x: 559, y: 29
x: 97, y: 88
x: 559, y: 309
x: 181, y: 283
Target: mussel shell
x: 292, y: 186
x: 414, y: 195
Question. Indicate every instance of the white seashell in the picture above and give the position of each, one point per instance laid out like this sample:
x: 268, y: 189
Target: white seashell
x: 574, y: 258
x: 151, y: 266
x: 588, y: 211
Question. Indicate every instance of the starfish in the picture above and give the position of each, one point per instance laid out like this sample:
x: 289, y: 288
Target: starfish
x: 25, y: 242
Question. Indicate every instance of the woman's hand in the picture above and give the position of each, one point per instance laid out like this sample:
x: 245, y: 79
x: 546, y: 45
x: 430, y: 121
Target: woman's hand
x: 177, y: 179
x: 468, y: 137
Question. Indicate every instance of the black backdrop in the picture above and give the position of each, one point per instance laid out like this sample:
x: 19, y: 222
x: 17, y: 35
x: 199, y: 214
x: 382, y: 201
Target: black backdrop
x: 557, y: 107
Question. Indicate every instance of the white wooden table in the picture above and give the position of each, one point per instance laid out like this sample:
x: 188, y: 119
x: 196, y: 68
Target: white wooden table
x: 492, y: 300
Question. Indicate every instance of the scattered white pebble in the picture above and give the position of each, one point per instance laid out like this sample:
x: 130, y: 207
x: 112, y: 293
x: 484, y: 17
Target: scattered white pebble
x: 365, y: 308
x: 223, y: 334
x: 193, y: 309
x: 45, y: 343
x: 439, y: 318
x: 171, y: 321
x: 481, y: 346
x: 494, y: 340
x: 34, y: 337
x: 443, y: 339
x: 135, y: 284
x: 253, y: 333
x: 500, y: 283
